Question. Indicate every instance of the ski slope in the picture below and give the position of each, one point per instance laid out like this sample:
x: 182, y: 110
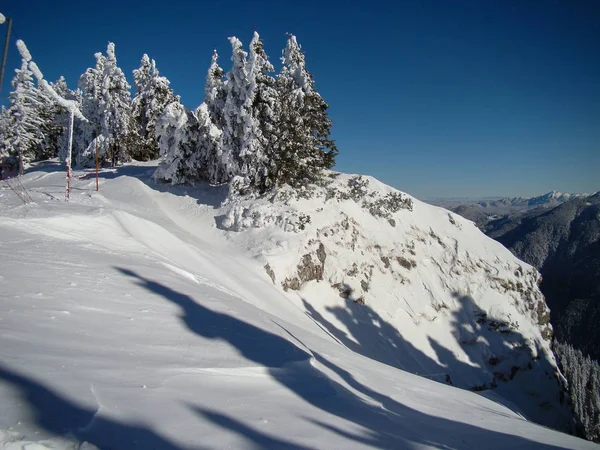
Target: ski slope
x: 129, y: 319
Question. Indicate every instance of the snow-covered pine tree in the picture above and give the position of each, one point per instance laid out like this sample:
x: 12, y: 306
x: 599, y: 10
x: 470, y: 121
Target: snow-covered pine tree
x: 174, y: 130
x: 262, y: 99
x: 107, y: 105
x: 116, y: 103
x: 61, y: 120
x: 215, y: 93
x: 50, y: 112
x: 236, y: 131
x: 189, y: 143
x: 152, y: 96
x: 5, y: 132
x: 23, y: 117
x: 208, y: 155
x: 90, y: 85
x: 303, y: 147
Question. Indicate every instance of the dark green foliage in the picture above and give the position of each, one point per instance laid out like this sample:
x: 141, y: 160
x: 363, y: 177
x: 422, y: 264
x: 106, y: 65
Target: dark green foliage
x: 302, y: 145
x: 583, y: 378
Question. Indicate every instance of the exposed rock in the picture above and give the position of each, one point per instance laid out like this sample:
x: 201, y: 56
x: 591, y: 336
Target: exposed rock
x: 270, y: 272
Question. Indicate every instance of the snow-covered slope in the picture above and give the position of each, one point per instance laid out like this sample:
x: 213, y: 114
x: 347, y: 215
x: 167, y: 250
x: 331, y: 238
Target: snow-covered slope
x: 132, y: 318
x: 408, y: 284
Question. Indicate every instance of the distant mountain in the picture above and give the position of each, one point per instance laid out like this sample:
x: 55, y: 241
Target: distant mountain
x: 564, y: 244
x: 481, y: 211
x: 553, y: 198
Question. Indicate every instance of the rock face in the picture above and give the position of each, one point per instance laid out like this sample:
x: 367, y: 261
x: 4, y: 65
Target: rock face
x: 564, y: 244
x: 410, y: 285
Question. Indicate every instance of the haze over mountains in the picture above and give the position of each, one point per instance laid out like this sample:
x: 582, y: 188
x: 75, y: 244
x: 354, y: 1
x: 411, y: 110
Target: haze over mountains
x: 482, y: 210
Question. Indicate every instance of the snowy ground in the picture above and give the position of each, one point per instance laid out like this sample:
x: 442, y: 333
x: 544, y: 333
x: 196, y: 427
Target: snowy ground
x: 128, y: 319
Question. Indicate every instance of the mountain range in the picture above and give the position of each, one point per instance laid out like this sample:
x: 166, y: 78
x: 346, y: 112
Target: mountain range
x: 564, y: 244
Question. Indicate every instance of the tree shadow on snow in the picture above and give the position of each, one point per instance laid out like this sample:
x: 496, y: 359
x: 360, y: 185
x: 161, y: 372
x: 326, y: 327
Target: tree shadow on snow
x: 49, y: 166
x: 386, y: 423
x: 495, y: 352
x: 501, y: 354
x: 371, y: 336
x: 259, y: 439
x: 61, y: 417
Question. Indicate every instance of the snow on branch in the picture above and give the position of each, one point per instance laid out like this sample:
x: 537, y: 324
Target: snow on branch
x: 23, y: 50
x: 36, y: 70
x: 69, y: 105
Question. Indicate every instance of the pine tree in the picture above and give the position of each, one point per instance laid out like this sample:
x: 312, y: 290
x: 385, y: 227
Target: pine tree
x: 208, y: 155
x: 189, y: 146
x: 262, y: 101
x: 107, y: 106
x: 6, y: 133
x: 215, y: 93
x: 583, y: 378
x: 116, y: 123
x: 303, y: 147
x: 90, y: 85
x: 23, y: 118
x: 49, y: 112
x: 153, y: 94
x: 235, y: 130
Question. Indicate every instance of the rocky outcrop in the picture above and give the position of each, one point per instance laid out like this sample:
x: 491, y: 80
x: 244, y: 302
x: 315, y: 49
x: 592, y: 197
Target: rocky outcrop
x: 364, y: 258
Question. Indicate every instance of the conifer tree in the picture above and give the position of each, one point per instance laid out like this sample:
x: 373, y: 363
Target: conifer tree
x: 189, y: 143
x: 153, y: 94
x: 583, y: 378
x: 6, y: 133
x: 262, y: 101
x: 215, y: 94
x: 235, y: 130
x: 90, y: 84
x: 23, y: 118
x: 49, y: 112
x: 116, y: 123
x: 303, y: 146
x: 107, y: 105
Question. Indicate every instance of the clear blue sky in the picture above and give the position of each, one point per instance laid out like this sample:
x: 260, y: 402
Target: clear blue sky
x: 437, y: 98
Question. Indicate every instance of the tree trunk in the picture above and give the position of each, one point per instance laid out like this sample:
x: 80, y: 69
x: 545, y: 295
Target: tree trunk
x: 21, y: 164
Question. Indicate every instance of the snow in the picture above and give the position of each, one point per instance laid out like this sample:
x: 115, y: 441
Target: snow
x: 130, y: 318
x: 69, y: 105
x: 36, y: 70
x: 23, y: 50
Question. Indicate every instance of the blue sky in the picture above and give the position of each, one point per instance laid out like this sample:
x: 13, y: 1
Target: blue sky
x: 437, y: 98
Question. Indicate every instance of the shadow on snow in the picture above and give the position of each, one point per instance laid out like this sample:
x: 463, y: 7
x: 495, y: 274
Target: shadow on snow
x: 385, y: 421
x: 386, y: 424
x: 60, y: 416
